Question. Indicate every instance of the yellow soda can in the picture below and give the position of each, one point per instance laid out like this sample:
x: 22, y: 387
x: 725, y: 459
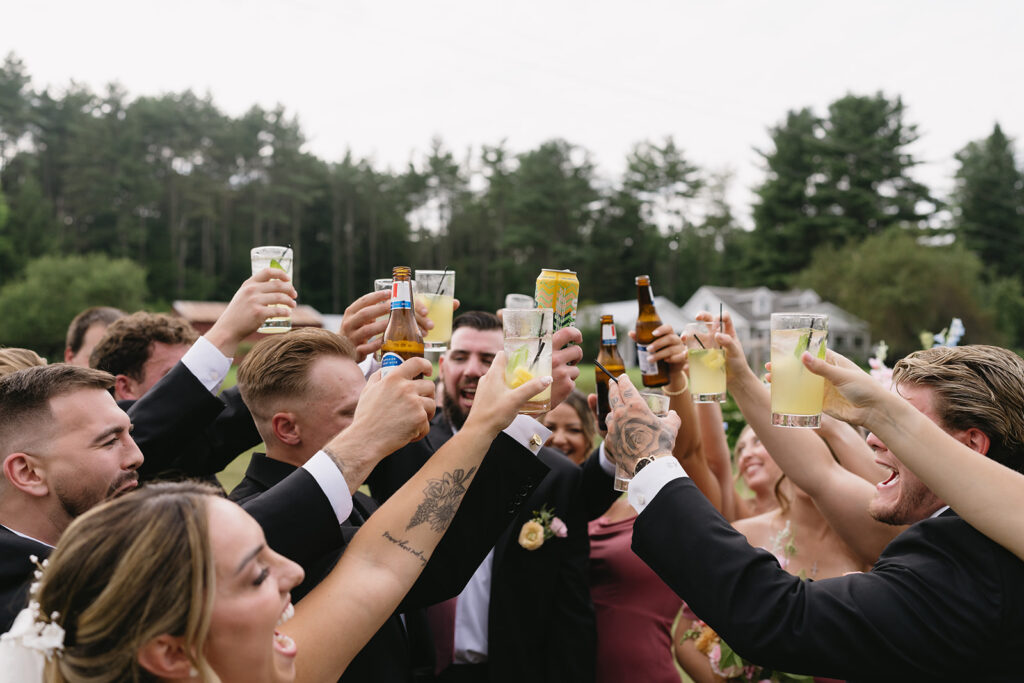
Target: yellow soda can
x: 558, y: 290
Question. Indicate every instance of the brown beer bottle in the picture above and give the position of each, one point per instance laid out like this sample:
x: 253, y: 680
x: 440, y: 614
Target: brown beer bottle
x: 654, y: 374
x: 402, y: 338
x: 609, y: 357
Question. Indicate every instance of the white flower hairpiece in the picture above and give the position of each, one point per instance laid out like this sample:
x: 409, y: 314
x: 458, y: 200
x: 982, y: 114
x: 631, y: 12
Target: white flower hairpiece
x: 31, y: 631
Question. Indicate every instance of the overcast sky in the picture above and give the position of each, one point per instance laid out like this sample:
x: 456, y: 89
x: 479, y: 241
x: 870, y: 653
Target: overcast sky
x: 382, y: 77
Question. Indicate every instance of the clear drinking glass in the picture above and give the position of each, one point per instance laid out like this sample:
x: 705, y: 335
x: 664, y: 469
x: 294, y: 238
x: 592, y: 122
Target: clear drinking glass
x: 283, y: 259
x: 797, y: 393
x: 528, y: 352
x: 707, y: 363
x: 435, y: 289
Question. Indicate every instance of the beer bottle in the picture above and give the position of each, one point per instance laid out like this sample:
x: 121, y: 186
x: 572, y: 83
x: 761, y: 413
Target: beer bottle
x: 654, y: 374
x: 402, y: 338
x: 609, y: 357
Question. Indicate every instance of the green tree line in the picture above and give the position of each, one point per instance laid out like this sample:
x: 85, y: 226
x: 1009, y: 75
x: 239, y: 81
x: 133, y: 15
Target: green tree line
x: 173, y: 184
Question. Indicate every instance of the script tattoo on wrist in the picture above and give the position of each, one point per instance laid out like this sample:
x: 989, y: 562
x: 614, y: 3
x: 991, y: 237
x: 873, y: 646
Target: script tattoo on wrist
x: 441, y: 500
x: 404, y: 545
x: 637, y: 436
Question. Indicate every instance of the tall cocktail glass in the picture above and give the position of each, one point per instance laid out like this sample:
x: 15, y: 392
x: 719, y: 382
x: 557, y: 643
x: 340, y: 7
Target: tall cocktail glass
x: 281, y: 258
x: 528, y: 352
x: 797, y: 393
x: 435, y: 289
x: 707, y: 362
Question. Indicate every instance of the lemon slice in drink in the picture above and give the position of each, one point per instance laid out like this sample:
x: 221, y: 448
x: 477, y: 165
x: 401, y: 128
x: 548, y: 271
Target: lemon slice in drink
x: 714, y: 359
x: 520, y: 376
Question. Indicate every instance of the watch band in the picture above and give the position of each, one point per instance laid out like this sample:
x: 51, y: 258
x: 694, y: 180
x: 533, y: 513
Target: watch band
x: 646, y: 460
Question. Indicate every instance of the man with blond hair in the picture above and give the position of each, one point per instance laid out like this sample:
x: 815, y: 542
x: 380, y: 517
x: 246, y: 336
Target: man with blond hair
x: 304, y: 387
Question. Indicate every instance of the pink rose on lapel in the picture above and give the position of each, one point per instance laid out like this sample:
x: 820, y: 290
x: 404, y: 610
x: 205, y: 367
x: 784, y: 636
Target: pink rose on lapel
x: 558, y: 528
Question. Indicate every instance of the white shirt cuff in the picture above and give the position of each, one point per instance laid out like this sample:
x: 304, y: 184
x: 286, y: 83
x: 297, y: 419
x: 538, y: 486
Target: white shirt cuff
x: 369, y: 366
x: 207, y: 364
x: 528, y: 432
x: 332, y: 483
x: 651, y: 479
x: 607, y: 465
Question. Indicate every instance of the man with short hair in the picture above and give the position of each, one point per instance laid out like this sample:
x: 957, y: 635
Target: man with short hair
x: 139, y: 349
x: 85, y: 331
x: 66, y: 446
x: 526, y: 614
x: 943, y: 602
x: 304, y: 387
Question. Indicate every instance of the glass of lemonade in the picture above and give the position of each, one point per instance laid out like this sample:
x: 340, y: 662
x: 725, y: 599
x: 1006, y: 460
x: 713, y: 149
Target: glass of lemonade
x: 797, y: 393
x: 528, y: 352
x: 707, y: 363
x: 281, y: 258
x: 435, y: 289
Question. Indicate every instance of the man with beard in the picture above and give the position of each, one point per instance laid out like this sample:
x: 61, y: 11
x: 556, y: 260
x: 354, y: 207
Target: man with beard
x: 526, y: 614
x: 942, y: 602
x: 66, y: 446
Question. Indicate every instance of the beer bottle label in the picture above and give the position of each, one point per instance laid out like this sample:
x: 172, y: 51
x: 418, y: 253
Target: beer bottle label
x: 608, y: 337
x: 401, y: 294
x: 643, y: 359
x: 389, y: 362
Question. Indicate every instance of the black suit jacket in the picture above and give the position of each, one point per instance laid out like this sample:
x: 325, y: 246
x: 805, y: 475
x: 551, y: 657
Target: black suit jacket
x: 183, y: 430
x: 508, y: 474
x: 943, y: 602
x: 541, y: 620
x: 16, y: 573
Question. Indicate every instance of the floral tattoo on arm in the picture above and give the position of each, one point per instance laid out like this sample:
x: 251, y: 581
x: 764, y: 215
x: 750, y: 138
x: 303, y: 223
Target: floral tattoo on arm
x: 442, y: 498
x: 639, y: 435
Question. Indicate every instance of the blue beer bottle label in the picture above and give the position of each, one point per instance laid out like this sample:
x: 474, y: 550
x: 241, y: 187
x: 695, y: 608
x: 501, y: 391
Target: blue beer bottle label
x: 643, y: 359
x: 389, y: 362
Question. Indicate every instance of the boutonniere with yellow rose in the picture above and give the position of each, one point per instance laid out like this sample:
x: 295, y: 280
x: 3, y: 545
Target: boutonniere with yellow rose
x: 543, y: 526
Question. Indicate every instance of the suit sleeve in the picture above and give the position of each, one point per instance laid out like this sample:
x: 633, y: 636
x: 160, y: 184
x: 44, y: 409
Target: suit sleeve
x: 935, y: 610
x: 573, y: 633
x: 182, y: 428
x: 507, y: 476
x: 297, y: 519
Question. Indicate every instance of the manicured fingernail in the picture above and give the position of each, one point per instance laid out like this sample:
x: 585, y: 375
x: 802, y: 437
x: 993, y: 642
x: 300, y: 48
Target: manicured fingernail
x: 547, y: 379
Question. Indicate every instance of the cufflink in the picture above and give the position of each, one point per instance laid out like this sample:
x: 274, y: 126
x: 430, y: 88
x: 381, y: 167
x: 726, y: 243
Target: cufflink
x: 535, y: 441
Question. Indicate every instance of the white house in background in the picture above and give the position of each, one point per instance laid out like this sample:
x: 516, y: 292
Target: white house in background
x: 625, y: 313
x: 751, y: 309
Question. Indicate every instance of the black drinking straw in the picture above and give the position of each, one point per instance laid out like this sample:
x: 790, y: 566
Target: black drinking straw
x: 605, y: 371
x: 440, y: 282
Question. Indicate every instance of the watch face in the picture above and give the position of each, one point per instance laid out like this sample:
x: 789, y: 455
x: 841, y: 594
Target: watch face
x: 641, y: 463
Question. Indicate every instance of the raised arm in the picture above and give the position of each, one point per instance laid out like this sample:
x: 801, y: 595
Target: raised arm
x: 989, y: 496
x: 850, y: 448
x: 841, y: 496
x: 716, y: 455
x: 386, y: 556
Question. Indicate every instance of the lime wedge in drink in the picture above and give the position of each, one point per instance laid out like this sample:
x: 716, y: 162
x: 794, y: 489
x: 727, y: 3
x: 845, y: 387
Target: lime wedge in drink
x: 821, y: 350
x: 518, y: 357
x: 274, y: 264
x: 802, y: 344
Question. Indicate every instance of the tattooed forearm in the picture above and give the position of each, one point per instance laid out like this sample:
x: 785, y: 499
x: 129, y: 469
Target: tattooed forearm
x: 637, y: 436
x: 441, y: 500
x: 404, y: 545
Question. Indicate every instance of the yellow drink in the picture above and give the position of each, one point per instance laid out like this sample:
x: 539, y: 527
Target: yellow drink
x: 439, y: 310
x: 524, y: 363
x: 707, y: 375
x: 797, y: 393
